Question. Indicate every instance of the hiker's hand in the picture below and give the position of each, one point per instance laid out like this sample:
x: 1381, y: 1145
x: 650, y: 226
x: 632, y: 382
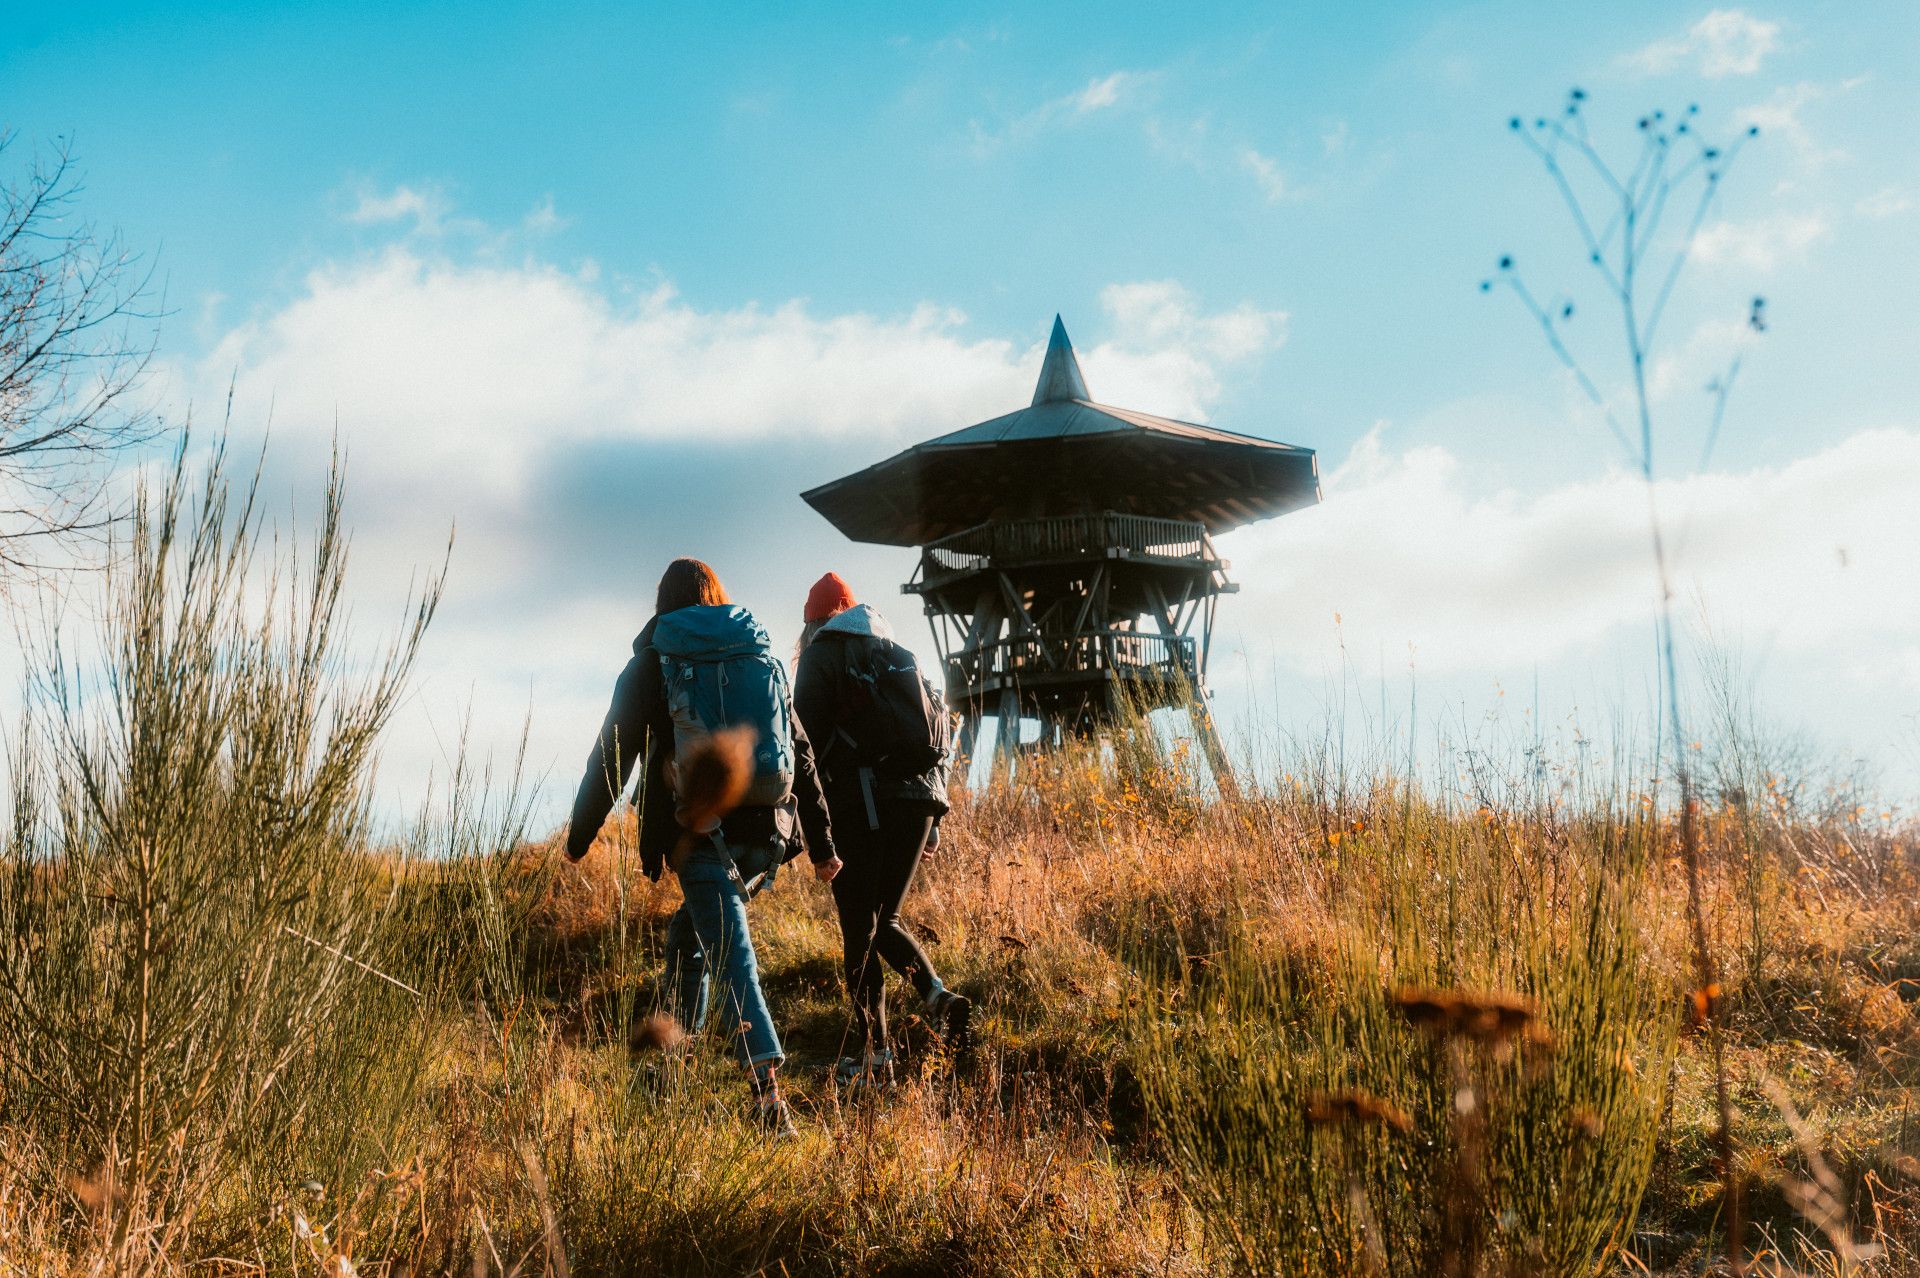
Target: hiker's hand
x: 933, y: 842
x: 825, y: 870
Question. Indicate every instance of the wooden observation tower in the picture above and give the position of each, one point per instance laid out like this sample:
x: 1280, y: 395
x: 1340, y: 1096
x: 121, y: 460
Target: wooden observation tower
x: 1066, y: 553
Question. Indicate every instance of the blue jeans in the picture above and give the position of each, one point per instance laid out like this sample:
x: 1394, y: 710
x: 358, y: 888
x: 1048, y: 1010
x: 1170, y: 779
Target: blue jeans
x: 707, y: 943
x: 686, y: 980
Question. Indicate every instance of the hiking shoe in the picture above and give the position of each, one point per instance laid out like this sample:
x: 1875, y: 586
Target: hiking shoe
x: 952, y: 1014
x: 872, y: 1070
x: 773, y: 1117
x: 770, y: 1110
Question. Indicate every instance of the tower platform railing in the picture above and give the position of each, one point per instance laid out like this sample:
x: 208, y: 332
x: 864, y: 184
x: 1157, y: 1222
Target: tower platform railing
x: 1035, y: 661
x: 1065, y: 539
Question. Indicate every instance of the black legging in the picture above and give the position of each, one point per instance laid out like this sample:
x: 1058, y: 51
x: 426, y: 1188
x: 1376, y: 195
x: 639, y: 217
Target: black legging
x: 877, y: 871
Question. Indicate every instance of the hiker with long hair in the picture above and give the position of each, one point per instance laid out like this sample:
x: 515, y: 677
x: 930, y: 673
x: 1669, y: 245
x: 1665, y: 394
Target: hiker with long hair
x: 728, y: 793
x: 882, y: 734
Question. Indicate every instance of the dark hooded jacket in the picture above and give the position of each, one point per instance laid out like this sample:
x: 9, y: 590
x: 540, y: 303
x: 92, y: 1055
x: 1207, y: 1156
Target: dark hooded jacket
x: 821, y: 695
x: 640, y: 727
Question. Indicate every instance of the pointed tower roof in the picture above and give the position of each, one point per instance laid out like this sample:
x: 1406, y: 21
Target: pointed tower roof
x: 1060, y: 377
x: 1064, y: 454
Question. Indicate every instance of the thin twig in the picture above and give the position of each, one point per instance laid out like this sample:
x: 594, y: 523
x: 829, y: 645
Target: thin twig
x: 394, y: 981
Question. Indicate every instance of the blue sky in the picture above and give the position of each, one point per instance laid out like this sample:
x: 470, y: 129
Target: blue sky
x: 608, y: 283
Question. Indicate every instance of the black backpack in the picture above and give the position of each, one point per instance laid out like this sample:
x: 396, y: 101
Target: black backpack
x: 897, y: 721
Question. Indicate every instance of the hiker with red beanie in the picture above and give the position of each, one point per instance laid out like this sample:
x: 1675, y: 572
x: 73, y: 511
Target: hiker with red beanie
x: 702, y: 679
x: 883, y: 737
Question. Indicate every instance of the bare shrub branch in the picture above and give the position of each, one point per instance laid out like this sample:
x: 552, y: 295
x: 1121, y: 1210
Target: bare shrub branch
x: 76, y: 338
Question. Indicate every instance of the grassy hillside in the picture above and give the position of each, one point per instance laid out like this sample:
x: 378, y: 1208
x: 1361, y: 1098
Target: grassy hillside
x: 1199, y: 1053
x: 1348, y: 1024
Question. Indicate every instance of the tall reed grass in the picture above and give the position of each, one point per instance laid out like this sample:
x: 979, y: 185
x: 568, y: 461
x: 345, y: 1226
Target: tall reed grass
x: 1460, y: 1071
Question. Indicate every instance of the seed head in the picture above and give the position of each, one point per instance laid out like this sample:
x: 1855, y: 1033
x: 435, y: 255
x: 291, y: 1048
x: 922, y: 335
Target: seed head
x: 98, y: 1193
x: 655, y: 1033
x: 713, y: 778
x: 1426, y: 1009
x: 1482, y: 1017
x: 1330, y: 1109
x: 1703, y: 1001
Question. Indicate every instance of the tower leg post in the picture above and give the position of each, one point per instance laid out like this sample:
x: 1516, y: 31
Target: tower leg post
x: 1208, y: 735
x: 969, y: 739
x: 1007, y: 738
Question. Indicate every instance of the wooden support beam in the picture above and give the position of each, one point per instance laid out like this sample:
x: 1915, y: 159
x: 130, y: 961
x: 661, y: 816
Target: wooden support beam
x: 1046, y: 619
x: 1206, y: 635
x: 968, y: 741
x: 1016, y: 605
x: 1162, y: 613
x: 1007, y: 739
x: 1211, y: 748
x: 1086, y: 603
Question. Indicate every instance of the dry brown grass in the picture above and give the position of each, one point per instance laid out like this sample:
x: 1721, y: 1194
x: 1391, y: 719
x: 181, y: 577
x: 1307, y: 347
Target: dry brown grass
x: 1077, y: 909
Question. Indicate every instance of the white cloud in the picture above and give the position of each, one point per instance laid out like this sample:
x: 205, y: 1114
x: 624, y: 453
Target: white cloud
x: 1725, y: 42
x: 434, y: 360
x: 425, y: 208
x: 1167, y: 351
x: 1701, y: 358
x: 1783, y: 116
x: 1814, y: 557
x: 956, y: 42
x: 1887, y: 202
x: 1103, y: 92
x: 1188, y: 144
x: 544, y: 219
x: 1266, y: 175
x: 1761, y: 245
x: 1098, y: 95
x: 1733, y: 43
x: 578, y: 434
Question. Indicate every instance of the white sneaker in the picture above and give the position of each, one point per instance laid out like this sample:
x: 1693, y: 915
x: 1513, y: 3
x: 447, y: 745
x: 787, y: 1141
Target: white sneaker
x: 875, y: 1069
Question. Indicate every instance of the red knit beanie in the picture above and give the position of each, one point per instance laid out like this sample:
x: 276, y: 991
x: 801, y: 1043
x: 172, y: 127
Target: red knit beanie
x: 829, y: 595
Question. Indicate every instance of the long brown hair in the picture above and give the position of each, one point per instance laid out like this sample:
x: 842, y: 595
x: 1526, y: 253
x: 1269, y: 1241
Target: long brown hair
x: 687, y: 582
x: 808, y: 631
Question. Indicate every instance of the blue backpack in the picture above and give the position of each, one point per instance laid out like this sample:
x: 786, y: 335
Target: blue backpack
x: 719, y: 671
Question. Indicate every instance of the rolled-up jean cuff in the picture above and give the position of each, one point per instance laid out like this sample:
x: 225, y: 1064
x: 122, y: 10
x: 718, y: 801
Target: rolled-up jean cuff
x: 777, y: 1058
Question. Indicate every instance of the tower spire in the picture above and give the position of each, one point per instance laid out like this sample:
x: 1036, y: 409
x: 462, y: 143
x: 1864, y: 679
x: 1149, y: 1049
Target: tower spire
x: 1060, y: 377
